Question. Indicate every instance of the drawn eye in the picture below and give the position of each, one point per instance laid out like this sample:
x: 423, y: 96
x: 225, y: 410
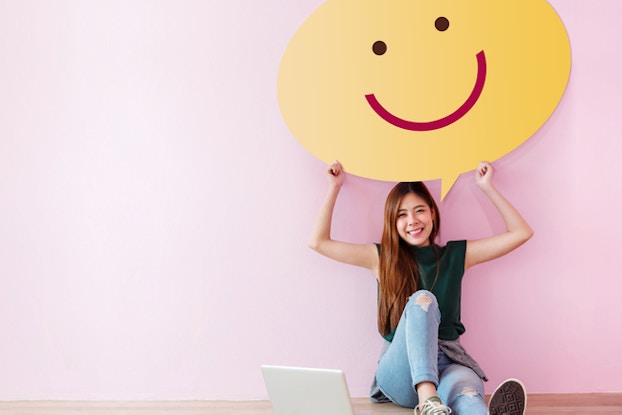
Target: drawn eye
x: 379, y: 48
x: 441, y: 24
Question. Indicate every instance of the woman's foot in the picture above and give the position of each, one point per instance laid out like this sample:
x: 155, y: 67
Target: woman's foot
x: 509, y: 398
x: 432, y: 406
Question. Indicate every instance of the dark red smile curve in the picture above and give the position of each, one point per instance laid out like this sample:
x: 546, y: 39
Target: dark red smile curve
x: 442, y: 122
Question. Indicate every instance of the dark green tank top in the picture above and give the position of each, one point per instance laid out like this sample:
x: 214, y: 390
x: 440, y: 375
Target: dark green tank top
x: 448, y: 286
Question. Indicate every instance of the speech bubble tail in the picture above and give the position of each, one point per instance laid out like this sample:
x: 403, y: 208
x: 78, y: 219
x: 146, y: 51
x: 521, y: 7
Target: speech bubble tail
x: 447, y: 183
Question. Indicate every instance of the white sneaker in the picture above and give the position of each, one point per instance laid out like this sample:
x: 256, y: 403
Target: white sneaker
x: 509, y: 398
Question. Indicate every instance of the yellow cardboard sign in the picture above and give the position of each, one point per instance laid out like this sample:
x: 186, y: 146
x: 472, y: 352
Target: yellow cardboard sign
x: 407, y: 90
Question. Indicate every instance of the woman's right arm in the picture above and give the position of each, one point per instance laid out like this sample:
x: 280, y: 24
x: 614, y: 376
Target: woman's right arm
x: 362, y: 255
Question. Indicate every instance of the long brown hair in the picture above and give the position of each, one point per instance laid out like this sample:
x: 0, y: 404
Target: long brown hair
x: 398, y: 270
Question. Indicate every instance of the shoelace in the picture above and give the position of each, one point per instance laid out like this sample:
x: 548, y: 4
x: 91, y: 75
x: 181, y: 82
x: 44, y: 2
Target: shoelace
x: 435, y: 409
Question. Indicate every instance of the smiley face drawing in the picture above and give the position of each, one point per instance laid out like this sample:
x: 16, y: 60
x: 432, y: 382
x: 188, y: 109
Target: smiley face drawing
x: 404, y: 90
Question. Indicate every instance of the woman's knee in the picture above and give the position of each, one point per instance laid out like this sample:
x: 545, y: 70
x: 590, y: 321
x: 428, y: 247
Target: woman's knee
x: 462, y: 390
x: 468, y: 400
x: 458, y: 380
x: 423, y: 299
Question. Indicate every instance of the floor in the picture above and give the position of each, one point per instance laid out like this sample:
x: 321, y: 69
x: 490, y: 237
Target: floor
x: 584, y: 404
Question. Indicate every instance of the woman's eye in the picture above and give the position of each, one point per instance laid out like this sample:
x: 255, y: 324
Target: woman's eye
x: 441, y: 24
x: 379, y: 47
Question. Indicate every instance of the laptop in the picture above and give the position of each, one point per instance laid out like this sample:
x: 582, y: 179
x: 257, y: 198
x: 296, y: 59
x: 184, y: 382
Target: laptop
x: 305, y: 391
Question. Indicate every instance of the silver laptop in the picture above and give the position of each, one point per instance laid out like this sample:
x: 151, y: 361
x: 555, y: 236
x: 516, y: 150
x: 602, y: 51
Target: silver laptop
x: 304, y: 391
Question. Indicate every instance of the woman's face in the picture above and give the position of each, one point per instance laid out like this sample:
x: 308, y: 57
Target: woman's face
x: 414, y: 220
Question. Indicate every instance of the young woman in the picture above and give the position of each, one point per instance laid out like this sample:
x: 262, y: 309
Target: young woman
x: 423, y: 364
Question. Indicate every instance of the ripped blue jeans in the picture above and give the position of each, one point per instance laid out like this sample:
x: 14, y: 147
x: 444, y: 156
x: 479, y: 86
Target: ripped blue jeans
x: 414, y: 357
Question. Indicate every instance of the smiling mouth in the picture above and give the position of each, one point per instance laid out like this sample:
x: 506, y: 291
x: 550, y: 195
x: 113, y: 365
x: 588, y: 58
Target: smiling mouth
x: 415, y: 233
x: 441, y: 122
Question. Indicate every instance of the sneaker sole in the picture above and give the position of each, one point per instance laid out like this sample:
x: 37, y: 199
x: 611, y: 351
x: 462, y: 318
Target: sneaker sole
x: 508, y: 399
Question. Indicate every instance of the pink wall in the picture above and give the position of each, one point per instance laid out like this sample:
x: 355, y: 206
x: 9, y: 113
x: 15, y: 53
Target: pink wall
x: 154, y: 211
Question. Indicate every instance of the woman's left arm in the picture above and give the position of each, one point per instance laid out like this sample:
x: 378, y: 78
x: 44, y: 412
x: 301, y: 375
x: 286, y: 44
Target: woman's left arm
x: 517, y: 231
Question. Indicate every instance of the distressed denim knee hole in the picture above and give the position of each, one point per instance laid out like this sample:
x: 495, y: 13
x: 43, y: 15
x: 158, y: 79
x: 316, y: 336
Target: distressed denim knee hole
x: 424, y: 302
x: 468, y: 391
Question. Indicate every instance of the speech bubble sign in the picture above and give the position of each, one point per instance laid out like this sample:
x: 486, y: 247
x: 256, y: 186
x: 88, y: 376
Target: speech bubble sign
x: 408, y: 90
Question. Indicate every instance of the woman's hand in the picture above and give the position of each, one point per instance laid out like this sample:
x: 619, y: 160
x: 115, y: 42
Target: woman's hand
x: 335, y: 174
x: 483, y: 175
